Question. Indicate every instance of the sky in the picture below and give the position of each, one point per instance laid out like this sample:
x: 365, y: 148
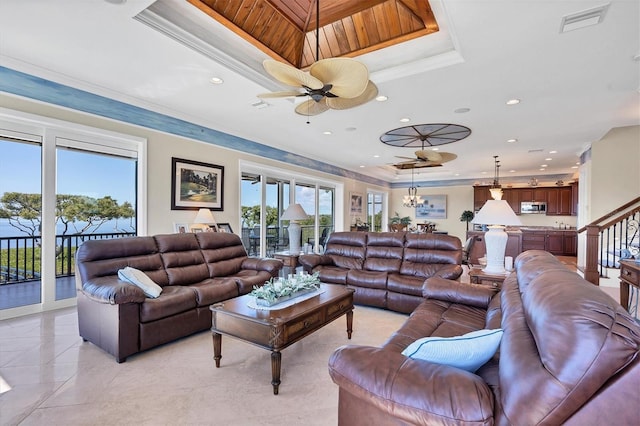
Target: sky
x: 79, y: 173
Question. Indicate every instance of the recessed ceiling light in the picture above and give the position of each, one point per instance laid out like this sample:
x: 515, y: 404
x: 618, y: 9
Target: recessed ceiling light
x: 216, y: 80
x: 512, y: 140
x: 543, y: 165
x: 636, y: 58
x: 381, y: 98
x: 405, y: 120
x: 260, y: 105
x: 578, y: 163
x: 327, y: 132
x: 512, y: 171
x: 513, y: 101
x: 553, y: 152
x: 434, y: 149
x: 548, y: 159
x: 484, y: 173
x: 542, y: 170
x: 457, y: 174
x: 351, y: 129
x: 574, y: 167
x: 376, y: 156
x: 461, y: 110
x: 361, y: 167
x: 116, y: 1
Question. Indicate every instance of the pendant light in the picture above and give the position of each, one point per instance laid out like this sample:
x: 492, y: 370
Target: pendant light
x: 413, y: 199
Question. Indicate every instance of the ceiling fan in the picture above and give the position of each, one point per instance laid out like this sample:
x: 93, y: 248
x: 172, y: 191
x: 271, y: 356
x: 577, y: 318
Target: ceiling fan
x: 333, y: 83
x: 425, y: 158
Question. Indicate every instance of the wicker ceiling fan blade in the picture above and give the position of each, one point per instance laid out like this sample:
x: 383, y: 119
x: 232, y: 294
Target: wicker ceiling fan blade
x: 285, y: 94
x: 447, y: 156
x: 348, y: 77
x: 291, y: 76
x: 370, y: 92
x: 428, y: 155
x: 312, y: 107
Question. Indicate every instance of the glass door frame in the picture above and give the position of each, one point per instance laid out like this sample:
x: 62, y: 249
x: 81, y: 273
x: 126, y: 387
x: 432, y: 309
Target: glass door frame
x: 14, y: 124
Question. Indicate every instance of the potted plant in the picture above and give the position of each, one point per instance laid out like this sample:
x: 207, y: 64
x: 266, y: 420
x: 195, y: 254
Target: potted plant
x: 467, y: 216
x: 397, y: 223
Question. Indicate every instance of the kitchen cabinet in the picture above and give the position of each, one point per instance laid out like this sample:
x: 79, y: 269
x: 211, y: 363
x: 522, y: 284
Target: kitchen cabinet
x: 559, y: 242
x: 559, y: 201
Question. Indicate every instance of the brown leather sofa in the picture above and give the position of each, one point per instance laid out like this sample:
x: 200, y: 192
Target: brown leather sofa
x: 386, y: 269
x: 569, y: 355
x: 194, y: 271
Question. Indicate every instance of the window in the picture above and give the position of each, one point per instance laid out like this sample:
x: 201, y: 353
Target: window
x: 85, y: 183
x: 375, y: 211
x: 265, y: 195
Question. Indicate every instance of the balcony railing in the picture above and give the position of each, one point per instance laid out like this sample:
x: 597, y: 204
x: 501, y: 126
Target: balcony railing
x: 277, y: 238
x: 20, y: 259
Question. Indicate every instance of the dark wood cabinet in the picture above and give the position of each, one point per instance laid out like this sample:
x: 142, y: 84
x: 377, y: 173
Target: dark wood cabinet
x: 559, y: 242
x: 561, y: 201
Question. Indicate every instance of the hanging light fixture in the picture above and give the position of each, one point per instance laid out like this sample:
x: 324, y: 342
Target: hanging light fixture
x: 496, y: 188
x: 413, y: 199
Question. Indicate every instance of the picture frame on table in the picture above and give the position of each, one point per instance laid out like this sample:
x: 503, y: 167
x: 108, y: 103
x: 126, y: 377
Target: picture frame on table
x: 196, y: 185
x: 225, y: 227
x: 356, y: 203
x: 181, y: 227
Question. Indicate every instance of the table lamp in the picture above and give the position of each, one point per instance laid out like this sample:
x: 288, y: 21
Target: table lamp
x: 496, y: 214
x: 293, y: 214
x: 205, y: 217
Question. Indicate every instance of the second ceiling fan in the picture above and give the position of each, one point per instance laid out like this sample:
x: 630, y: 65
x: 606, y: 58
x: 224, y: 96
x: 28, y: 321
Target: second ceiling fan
x: 333, y: 83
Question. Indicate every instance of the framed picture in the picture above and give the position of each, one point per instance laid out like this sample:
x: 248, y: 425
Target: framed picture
x: 432, y: 207
x: 356, y: 201
x: 224, y: 227
x: 181, y: 228
x: 195, y: 185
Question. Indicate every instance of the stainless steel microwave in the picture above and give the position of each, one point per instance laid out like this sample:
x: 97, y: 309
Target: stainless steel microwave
x: 533, y: 207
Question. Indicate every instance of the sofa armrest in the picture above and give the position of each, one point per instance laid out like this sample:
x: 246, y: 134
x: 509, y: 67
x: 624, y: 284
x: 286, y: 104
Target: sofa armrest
x: 112, y: 290
x: 449, y: 272
x: 416, y: 391
x: 310, y: 261
x: 272, y: 266
x: 456, y: 292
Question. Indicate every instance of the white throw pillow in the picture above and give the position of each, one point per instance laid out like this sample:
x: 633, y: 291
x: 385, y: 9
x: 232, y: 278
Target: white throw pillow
x: 468, y: 352
x: 140, y: 279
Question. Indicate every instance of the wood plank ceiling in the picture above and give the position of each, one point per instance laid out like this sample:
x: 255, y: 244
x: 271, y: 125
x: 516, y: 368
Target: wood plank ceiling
x: 285, y: 29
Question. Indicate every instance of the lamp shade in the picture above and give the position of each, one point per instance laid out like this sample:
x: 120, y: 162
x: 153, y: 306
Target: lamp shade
x: 496, y: 212
x: 204, y: 216
x: 294, y: 212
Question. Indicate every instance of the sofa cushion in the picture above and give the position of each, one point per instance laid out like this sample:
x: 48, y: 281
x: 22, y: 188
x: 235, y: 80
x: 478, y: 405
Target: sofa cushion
x: 384, y: 251
x: 562, y: 336
x: 182, y: 258
x: 223, y: 253
x: 367, y: 279
x: 405, y: 284
x: 139, y: 279
x: 468, y: 352
x: 332, y: 274
x: 173, y: 300
x: 248, y: 278
x: 214, y: 290
x: 347, y: 249
x: 426, y: 254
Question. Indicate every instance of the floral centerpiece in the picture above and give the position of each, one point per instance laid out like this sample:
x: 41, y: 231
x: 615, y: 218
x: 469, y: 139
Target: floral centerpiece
x: 278, y: 290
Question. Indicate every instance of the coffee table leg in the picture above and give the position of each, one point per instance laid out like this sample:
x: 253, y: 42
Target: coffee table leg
x: 217, y: 348
x: 276, y: 362
x: 349, y: 323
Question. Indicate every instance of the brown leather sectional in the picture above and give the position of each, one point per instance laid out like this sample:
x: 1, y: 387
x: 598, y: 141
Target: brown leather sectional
x: 386, y: 269
x: 194, y: 271
x: 569, y: 355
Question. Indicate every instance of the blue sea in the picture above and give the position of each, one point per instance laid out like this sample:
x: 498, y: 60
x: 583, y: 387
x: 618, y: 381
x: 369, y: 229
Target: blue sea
x: 7, y: 230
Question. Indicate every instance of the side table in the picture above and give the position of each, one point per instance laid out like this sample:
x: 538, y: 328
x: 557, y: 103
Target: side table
x: 478, y: 276
x: 289, y: 260
x: 629, y: 283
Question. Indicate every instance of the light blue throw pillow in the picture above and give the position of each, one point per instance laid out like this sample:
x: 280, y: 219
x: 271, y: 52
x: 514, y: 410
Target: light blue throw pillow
x: 140, y: 279
x: 468, y: 352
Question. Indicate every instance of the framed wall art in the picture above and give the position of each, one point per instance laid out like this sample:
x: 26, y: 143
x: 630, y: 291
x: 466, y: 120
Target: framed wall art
x: 432, y: 207
x: 356, y: 202
x: 196, y: 185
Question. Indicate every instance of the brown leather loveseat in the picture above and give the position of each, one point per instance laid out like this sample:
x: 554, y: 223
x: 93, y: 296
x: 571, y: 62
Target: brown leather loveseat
x: 569, y: 354
x: 386, y: 269
x: 194, y: 271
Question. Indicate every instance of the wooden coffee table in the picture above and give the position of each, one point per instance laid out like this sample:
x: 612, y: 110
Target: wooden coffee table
x: 274, y: 330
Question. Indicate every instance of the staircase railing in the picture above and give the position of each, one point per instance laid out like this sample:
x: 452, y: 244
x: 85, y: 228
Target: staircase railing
x: 610, y: 238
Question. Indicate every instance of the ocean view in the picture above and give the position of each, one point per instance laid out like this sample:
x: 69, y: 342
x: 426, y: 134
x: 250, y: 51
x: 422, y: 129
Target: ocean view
x: 6, y: 230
